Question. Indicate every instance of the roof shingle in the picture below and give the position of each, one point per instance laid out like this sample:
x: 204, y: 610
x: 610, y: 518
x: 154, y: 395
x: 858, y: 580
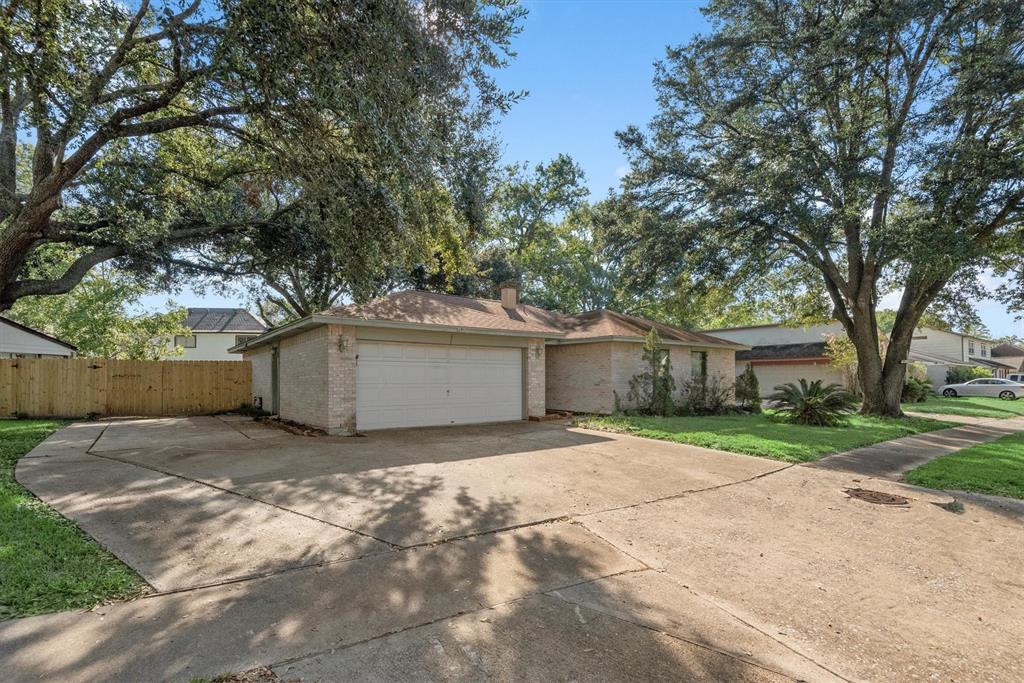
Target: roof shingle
x: 430, y: 308
x: 222, y: 320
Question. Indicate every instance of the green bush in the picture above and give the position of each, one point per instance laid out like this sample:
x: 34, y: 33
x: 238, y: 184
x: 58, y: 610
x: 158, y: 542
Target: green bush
x: 748, y: 392
x: 962, y: 373
x: 813, y: 403
x: 708, y: 396
x: 916, y: 390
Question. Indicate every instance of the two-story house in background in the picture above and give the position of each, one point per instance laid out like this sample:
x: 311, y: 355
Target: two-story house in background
x: 780, y: 354
x: 214, y: 331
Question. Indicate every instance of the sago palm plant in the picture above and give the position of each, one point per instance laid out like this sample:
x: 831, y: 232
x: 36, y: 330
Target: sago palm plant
x: 813, y: 403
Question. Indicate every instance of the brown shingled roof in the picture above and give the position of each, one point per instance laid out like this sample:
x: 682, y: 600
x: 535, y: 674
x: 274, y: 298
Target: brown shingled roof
x: 429, y: 308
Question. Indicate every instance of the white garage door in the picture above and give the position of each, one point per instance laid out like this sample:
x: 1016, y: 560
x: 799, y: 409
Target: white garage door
x: 415, y: 385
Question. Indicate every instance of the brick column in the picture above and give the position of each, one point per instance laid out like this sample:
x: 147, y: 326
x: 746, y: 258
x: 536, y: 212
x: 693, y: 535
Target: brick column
x: 535, y: 401
x: 341, y: 379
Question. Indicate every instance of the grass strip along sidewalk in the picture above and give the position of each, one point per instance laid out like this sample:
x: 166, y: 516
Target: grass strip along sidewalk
x: 996, y: 467
x: 764, y: 435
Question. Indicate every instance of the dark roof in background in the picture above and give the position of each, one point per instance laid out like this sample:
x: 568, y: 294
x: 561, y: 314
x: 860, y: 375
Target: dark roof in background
x: 783, y: 352
x: 1004, y: 350
x: 994, y: 364
x: 37, y: 333
x: 222, y: 320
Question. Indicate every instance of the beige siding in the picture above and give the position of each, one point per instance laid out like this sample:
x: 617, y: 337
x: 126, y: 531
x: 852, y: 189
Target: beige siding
x: 262, y: 381
x: 937, y: 342
x: 579, y: 378
x: 15, y: 342
x: 771, y: 375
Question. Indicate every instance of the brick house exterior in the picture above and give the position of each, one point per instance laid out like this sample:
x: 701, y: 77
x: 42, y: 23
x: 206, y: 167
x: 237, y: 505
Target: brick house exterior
x: 438, y: 359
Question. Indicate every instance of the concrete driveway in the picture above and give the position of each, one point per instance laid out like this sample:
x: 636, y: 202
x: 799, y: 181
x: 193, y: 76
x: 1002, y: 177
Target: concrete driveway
x: 511, y: 551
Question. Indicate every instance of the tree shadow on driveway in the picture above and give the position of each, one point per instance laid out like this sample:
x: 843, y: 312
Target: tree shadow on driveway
x: 462, y: 610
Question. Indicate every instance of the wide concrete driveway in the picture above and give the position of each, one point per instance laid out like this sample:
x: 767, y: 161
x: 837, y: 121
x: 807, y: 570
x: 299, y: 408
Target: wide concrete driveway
x: 511, y: 552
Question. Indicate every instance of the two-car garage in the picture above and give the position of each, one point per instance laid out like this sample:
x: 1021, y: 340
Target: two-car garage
x: 411, y: 359
x: 417, y: 385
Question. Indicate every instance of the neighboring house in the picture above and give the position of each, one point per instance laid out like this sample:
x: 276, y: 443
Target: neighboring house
x: 782, y: 354
x: 19, y: 341
x: 214, y: 331
x: 1009, y: 354
x: 418, y: 358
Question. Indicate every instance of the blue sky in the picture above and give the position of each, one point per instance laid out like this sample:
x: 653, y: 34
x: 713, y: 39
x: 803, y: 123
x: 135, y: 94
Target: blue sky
x: 588, y: 65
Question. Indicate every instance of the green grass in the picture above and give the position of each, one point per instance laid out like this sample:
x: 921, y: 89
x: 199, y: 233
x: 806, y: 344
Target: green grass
x: 764, y: 435
x: 48, y: 564
x: 970, y: 406
x: 996, y: 467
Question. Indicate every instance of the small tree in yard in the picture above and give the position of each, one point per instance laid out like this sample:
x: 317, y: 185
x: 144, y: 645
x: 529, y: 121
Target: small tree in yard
x: 651, y: 390
x: 748, y: 391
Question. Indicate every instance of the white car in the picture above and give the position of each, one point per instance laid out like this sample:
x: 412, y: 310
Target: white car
x: 1003, y: 388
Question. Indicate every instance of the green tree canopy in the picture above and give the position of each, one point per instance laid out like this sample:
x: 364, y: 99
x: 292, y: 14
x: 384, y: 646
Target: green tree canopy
x: 159, y: 129
x: 103, y: 316
x: 878, y: 144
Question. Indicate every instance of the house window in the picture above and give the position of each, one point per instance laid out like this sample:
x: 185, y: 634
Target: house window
x: 187, y: 342
x: 239, y: 338
x: 699, y: 365
x: 984, y: 349
x: 970, y: 346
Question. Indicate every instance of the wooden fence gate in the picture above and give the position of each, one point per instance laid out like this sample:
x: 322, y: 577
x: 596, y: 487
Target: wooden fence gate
x: 75, y: 387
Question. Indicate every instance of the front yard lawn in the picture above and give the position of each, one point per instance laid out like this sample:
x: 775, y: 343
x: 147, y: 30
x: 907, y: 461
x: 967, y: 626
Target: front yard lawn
x: 996, y: 467
x: 970, y: 406
x: 46, y: 563
x: 763, y: 436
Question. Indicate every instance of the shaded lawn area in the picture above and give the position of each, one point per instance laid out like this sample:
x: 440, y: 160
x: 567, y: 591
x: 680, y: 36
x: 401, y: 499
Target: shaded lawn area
x: 996, y: 467
x: 970, y: 406
x: 764, y: 435
x: 47, y: 564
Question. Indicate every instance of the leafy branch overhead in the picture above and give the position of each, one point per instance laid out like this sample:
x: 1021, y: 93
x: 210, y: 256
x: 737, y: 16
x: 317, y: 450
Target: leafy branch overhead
x: 160, y: 129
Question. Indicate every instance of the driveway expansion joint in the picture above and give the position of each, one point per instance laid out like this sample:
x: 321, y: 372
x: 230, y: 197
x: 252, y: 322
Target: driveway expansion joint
x: 246, y: 496
x: 704, y: 646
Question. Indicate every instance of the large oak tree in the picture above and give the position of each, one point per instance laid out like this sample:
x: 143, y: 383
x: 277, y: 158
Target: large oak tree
x: 879, y: 143
x: 157, y: 129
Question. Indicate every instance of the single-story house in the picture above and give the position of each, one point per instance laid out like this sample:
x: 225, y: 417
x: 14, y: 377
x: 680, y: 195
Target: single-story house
x: 780, y: 354
x: 214, y: 331
x: 419, y: 358
x: 21, y: 341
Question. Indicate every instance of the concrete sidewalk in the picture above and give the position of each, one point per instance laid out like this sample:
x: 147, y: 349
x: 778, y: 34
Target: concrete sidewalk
x: 892, y: 459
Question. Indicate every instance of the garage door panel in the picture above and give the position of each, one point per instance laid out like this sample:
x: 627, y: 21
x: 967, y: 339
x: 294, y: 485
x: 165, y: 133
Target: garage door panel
x: 412, y: 385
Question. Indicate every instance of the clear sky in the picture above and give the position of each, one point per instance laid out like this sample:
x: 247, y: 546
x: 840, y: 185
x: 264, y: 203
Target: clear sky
x: 588, y: 66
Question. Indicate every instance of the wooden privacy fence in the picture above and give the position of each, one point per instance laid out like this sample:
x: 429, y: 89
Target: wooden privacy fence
x: 75, y: 387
